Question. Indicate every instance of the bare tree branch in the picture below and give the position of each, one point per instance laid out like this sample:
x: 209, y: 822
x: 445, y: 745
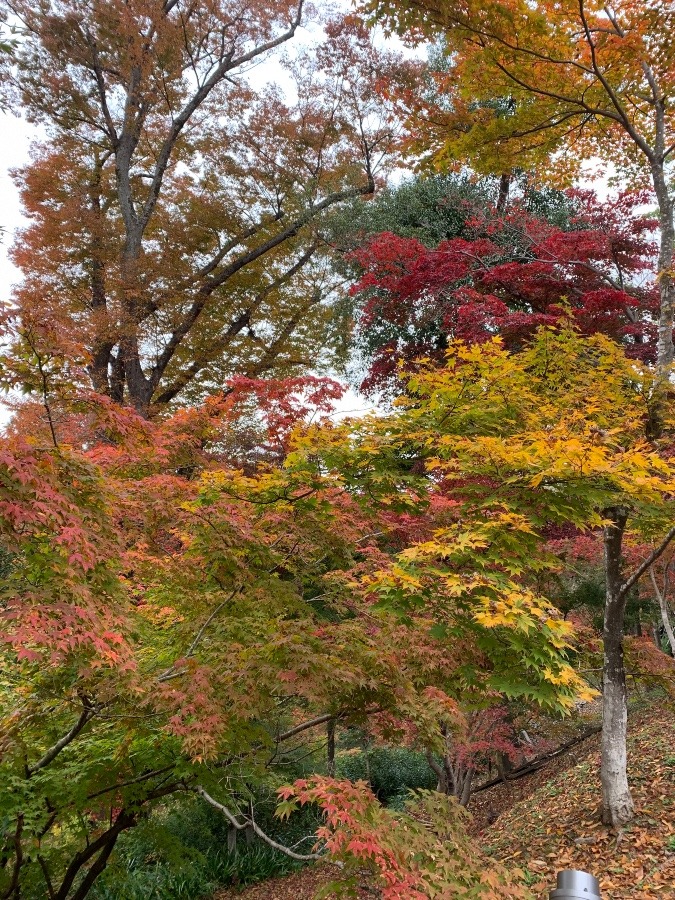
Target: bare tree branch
x: 251, y: 823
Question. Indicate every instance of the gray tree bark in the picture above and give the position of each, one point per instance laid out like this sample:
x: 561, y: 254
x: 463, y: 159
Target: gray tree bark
x: 617, y: 803
x: 665, y: 273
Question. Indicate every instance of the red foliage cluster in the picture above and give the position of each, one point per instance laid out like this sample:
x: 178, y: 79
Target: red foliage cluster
x: 513, y: 275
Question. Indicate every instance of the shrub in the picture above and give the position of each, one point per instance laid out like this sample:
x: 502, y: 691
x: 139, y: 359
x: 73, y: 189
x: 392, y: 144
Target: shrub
x: 391, y: 771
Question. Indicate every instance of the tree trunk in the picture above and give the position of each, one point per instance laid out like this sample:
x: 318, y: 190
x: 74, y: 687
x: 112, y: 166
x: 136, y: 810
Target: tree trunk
x: 330, y: 748
x: 101, y: 848
x: 665, y: 274
x: 103, y: 342
x: 617, y: 803
x: 467, y: 781
x: 504, y: 766
x: 439, y: 772
x: 232, y: 840
x: 455, y: 780
x: 504, y: 190
x: 667, y: 627
x: 139, y: 388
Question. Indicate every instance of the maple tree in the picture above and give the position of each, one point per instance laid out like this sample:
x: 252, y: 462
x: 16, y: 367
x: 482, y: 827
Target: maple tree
x: 549, y: 85
x: 113, y: 609
x: 553, y: 435
x: 488, y: 735
x: 188, y: 607
x: 423, y: 852
x: 207, y: 579
x: 175, y: 208
x: 506, y: 274
x: 172, y: 622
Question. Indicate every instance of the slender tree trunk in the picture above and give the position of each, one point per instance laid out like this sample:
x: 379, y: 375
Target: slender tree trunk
x: 101, y: 848
x: 655, y: 634
x: 330, y: 748
x: 467, y: 781
x: 439, y: 772
x: 103, y: 344
x: 665, y: 274
x: 455, y: 781
x: 665, y: 618
x: 504, y: 189
x: 668, y: 628
x: 95, y: 870
x: 617, y: 803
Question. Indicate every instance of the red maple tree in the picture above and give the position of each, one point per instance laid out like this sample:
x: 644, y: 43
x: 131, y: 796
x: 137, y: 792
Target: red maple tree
x: 513, y: 274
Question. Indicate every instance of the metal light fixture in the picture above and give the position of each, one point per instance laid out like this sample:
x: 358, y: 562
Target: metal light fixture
x: 576, y: 885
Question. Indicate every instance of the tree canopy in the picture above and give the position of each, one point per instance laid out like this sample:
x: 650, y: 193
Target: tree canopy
x: 175, y: 207
x: 221, y: 594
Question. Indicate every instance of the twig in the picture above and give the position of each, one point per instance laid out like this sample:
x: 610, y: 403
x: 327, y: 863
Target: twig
x: 172, y: 672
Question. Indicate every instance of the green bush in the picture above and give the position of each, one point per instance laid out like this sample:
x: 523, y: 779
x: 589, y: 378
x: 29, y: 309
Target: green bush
x: 391, y: 771
x: 142, y: 880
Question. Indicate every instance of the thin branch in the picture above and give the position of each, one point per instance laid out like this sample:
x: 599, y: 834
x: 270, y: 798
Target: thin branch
x: 141, y: 778
x: 45, y: 872
x: 251, y: 823
x: 51, y: 754
x: 171, y: 671
x: 235, y: 327
x: 311, y: 723
x: 321, y: 720
x: 609, y: 90
x: 228, y: 63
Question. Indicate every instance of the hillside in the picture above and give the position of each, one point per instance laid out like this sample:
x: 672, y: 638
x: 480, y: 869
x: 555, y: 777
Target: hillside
x: 557, y: 826
x: 549, y: 821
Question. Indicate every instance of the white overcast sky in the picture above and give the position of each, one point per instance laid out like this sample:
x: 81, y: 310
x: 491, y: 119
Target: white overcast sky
x: 15, y: 137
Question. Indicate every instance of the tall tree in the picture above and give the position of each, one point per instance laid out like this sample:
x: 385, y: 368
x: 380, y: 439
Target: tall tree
x: 551, y: 84
x: 175, y: 207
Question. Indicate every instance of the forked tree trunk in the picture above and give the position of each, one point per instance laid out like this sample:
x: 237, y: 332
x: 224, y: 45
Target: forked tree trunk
x: 617, y: 803
x: 454, y: 779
